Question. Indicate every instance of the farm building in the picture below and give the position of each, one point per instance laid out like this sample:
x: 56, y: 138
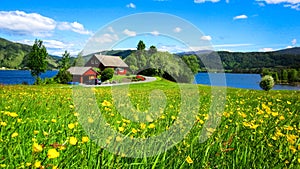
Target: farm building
x: 85, y: 75
x: 105, y: 61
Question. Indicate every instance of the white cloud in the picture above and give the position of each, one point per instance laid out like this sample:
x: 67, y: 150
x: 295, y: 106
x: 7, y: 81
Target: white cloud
x: 293, y: 4
x: 19, y: 22
x: 129, y: 33
x: 131, y: 5
x: 177, y: 30
x: 240, y: 17
x: 106, y: 38
x: 53, y: 44
x: 266, y: 50
x: 288, y: 47
x: 155, y: 33
x: 203, y: 1
x: 75, y: 27
x: 294, y: 41
x: 227, y: 1
x: 207, y: 38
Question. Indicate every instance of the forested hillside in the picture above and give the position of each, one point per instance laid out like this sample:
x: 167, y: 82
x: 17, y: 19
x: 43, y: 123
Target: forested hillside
x: 13, y: 55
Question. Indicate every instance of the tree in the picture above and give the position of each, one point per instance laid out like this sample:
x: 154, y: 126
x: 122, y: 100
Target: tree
x: 65, y: 61
x: 107, y: 74
x: 267, y: 83
x: 141, y: 46
x: 152, y: 50
x: 192, y: 62
x: 37, y: 62
x: 79, y: 61
x: 285, y: 76
x: 63, y: 76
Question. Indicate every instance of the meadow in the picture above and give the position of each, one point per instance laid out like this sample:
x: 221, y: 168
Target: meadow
x: 40, y: 128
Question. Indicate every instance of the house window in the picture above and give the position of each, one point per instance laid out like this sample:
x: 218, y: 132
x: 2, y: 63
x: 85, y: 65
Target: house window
x: 92, y: 61
x: 96, y: 62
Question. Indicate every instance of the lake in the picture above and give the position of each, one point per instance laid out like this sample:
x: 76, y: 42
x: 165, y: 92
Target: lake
x: 20, y: 76
x: 245, y: 81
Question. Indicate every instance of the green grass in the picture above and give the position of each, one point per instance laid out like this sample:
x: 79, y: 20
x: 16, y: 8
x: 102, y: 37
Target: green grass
x: 257, y: 129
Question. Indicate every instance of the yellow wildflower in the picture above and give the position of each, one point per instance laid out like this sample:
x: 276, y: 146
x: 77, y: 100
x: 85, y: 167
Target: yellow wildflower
x: 289, y: 128
x: 134, y: 130
x: 28, y: 164
x: 13, y: 114
x: 71, y: 126
x: 3, y: 123
x: 121, y: 129
x: 291, y: 138
x: 189, y: 160
x: 90, y: 120
x: 52, y: 153
x: 281, y: 118
x: 73, y: 140
x: 151, y: 126
x: 37, y: 164
x: 288, y: 102
x: 45, y: 133
x: 35, y: 132
x: 143, y: 125
x: 106, y: 103
x: 85, y: 139
x: 226, y: 114
x: 53, y: 120
x: 15, y: 134
x: 37, y: 148
x: 275, y: 114
x: 293, y: 149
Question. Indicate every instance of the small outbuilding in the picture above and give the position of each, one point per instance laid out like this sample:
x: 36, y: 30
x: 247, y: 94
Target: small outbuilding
x: 105, y: 61
x: 85, y: 75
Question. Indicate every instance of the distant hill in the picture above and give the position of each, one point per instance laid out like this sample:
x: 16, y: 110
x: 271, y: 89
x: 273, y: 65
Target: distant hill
x: 12, y: 55
x: 290, y: 51
x: 253, y: 62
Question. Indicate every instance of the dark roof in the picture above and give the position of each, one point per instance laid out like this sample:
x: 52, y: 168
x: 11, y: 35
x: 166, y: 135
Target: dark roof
x: 111, y: 61
x: 79, y: 70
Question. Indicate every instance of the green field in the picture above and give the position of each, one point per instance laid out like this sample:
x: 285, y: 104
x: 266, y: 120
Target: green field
x: 40, y: 129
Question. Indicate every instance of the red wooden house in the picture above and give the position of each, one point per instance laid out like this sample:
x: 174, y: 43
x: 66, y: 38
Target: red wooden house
x: 85, y: 75
x: 104, y: 61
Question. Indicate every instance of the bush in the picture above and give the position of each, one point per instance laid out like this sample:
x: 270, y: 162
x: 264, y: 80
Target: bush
x: 107, y: 74
x: 267, y: 83
x: 63, y: 77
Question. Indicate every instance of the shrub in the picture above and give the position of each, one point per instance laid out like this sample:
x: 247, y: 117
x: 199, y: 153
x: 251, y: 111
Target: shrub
x: 267, y: 83
x: 63, y: 77
x: 107, y: 74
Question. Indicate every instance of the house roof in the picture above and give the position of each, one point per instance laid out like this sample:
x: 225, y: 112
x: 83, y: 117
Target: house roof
x: 111, y: 61
x: 79, y: 70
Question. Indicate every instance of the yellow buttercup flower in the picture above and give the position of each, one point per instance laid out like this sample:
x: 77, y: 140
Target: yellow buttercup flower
x: 13, y: 114
x: 3, y: 123
x: 71, y: 126
x: 35, y: 132
x: 151, y: 126
x: 53, y: 120
x: 37, y: 148
x: 73, y: 140
x: 15, y: 134
x: 37, y: 164
x: 106, y: 103
x: 121, y: 129
x: 52, y: 153
x: 85, y: 139
x: 189, y: 160
x: 134, y: 130
x: 143, y: 125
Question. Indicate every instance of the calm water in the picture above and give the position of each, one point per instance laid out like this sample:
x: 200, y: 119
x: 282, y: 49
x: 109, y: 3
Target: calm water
x: 246, y: 81
x: 20, y: 76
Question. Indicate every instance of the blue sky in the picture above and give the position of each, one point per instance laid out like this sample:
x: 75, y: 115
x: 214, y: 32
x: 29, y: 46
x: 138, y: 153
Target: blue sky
x: 231, y: 25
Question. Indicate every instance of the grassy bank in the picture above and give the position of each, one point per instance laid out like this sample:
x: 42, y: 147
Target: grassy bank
x: 40, y: 129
